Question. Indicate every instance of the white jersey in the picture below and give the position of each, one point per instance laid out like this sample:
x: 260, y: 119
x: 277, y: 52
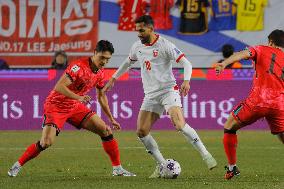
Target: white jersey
x: 156, y: 64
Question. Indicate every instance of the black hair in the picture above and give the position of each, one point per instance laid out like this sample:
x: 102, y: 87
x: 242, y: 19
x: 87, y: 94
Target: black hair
x: 55, y: 65
x: 104, y: 45
x: 227, y: 50
x: 277, y: 38
x: 146, y: 19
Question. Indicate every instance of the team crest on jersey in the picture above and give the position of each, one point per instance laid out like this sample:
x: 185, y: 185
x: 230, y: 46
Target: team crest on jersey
x: 177, y: 51
x: 155, y: 52
x: 75, y: 68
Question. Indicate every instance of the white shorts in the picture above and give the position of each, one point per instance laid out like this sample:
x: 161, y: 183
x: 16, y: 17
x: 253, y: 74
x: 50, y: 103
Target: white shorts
x: 162, y: 102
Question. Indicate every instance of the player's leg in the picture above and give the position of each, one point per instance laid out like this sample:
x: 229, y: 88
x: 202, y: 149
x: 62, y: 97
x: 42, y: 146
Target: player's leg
x: 144, y: 123
x: 172, y: 104
x: 275, y: 119
x: 47, y: 139
x: 96, y: 125
x: 241, y: 116
x: 281, y: 137
x: 177, y: 118
x: 230, y: 143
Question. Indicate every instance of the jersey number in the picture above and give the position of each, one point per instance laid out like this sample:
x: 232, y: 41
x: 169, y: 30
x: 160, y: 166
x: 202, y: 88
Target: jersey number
x: 192, y: 6
x: 250, y: 5
x: 148, y: 65
x: 271, y: 67
x: 223, y: 6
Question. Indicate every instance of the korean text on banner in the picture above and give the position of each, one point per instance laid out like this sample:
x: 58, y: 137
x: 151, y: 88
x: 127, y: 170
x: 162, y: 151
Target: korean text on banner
x: 30, y: 31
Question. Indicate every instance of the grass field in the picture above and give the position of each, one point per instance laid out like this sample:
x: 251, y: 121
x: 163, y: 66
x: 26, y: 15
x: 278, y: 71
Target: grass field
x: 77, y: 160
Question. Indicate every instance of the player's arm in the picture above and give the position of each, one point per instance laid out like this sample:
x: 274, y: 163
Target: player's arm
x: 102, y: 98
x: 187, y: 66
x: 62, y: 87
x: 119, y: 72
x: 245, y: 54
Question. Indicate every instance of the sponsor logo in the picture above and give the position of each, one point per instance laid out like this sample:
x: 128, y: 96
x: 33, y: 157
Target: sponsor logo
x: 75, y: 68
x: 155, y: 53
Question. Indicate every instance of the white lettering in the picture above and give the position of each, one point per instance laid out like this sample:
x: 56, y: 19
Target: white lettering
x: 194, y: 105
x: 12, y: 18
x: 36, y: 107
x: 46, y: 18
x: 16, y: 109
x: 73, y: 5
x: 23, y: 18
x: 53, y: 18
x: 126, y: 109
x: 76, y: 27
x: 203, y: 109
x: 185, y: 106
x: 5, y: 106
x: 114, y: 106
x: 226, y: 107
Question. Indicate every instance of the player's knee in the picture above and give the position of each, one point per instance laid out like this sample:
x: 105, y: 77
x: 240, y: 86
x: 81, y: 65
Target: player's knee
x: 104, y: 131
x: 39, y: 146
x: 141, y: 133
x: 177, y: 122
x: 107, y: 138
x: 230, y: 131
x: 46, y: 142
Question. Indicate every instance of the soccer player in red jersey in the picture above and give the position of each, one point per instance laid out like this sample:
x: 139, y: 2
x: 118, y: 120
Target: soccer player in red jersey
x: 266, y: 98
x: 67, y: 102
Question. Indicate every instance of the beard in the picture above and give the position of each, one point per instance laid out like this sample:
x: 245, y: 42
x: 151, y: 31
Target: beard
x: 145, y: 40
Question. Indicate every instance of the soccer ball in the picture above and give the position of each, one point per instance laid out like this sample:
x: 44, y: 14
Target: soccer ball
x: 170, y: 169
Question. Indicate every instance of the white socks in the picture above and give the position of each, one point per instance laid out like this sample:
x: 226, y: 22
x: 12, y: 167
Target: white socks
x: 191, y: 135
x: 117, y: 167
x: 231, y: 167
x: 152, y: 148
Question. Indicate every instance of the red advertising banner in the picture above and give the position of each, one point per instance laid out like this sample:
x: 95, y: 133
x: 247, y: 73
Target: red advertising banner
x: 31, y: 31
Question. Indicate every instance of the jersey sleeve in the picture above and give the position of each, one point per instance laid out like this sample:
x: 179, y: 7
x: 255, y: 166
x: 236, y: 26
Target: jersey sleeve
x: 74, y: 71
x: 101, y: 82
x: 173, y: 52
x: 132, y: 54
x: 252, y: 52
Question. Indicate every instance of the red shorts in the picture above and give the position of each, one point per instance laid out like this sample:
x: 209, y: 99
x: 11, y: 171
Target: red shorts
x: 246, y: 115
x: 57, y: 116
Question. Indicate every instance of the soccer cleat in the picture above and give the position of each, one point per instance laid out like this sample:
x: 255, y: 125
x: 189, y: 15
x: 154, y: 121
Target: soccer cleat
x: 210, y: 161
x: 122, y: 172
x: 15, y: 169
x: 230, y: 174
x: 156, y: 173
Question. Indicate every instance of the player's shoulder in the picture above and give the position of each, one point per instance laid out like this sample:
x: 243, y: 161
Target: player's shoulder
x: 265, y: 49
x: 78, y: 64
x: 137, y: 44
x: 165, y: 43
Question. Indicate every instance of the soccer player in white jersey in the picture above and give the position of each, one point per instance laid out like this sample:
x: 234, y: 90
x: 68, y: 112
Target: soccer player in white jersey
x: 155, y: 55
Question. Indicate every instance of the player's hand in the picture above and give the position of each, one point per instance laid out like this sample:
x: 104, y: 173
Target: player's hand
x: 85, y: 99
x: 115, y: 124
x: 184, y: 88
x: 109, y: 85
x: 219, y: 68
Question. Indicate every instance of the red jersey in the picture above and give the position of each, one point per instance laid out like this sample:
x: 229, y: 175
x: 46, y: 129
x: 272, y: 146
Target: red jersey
x: 83, y: 80
x: 130, y: 10
x: 160, y: 12
x: 268, y: 81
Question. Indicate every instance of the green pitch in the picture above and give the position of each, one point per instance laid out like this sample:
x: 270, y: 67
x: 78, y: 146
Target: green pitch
x: 77, y: 160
